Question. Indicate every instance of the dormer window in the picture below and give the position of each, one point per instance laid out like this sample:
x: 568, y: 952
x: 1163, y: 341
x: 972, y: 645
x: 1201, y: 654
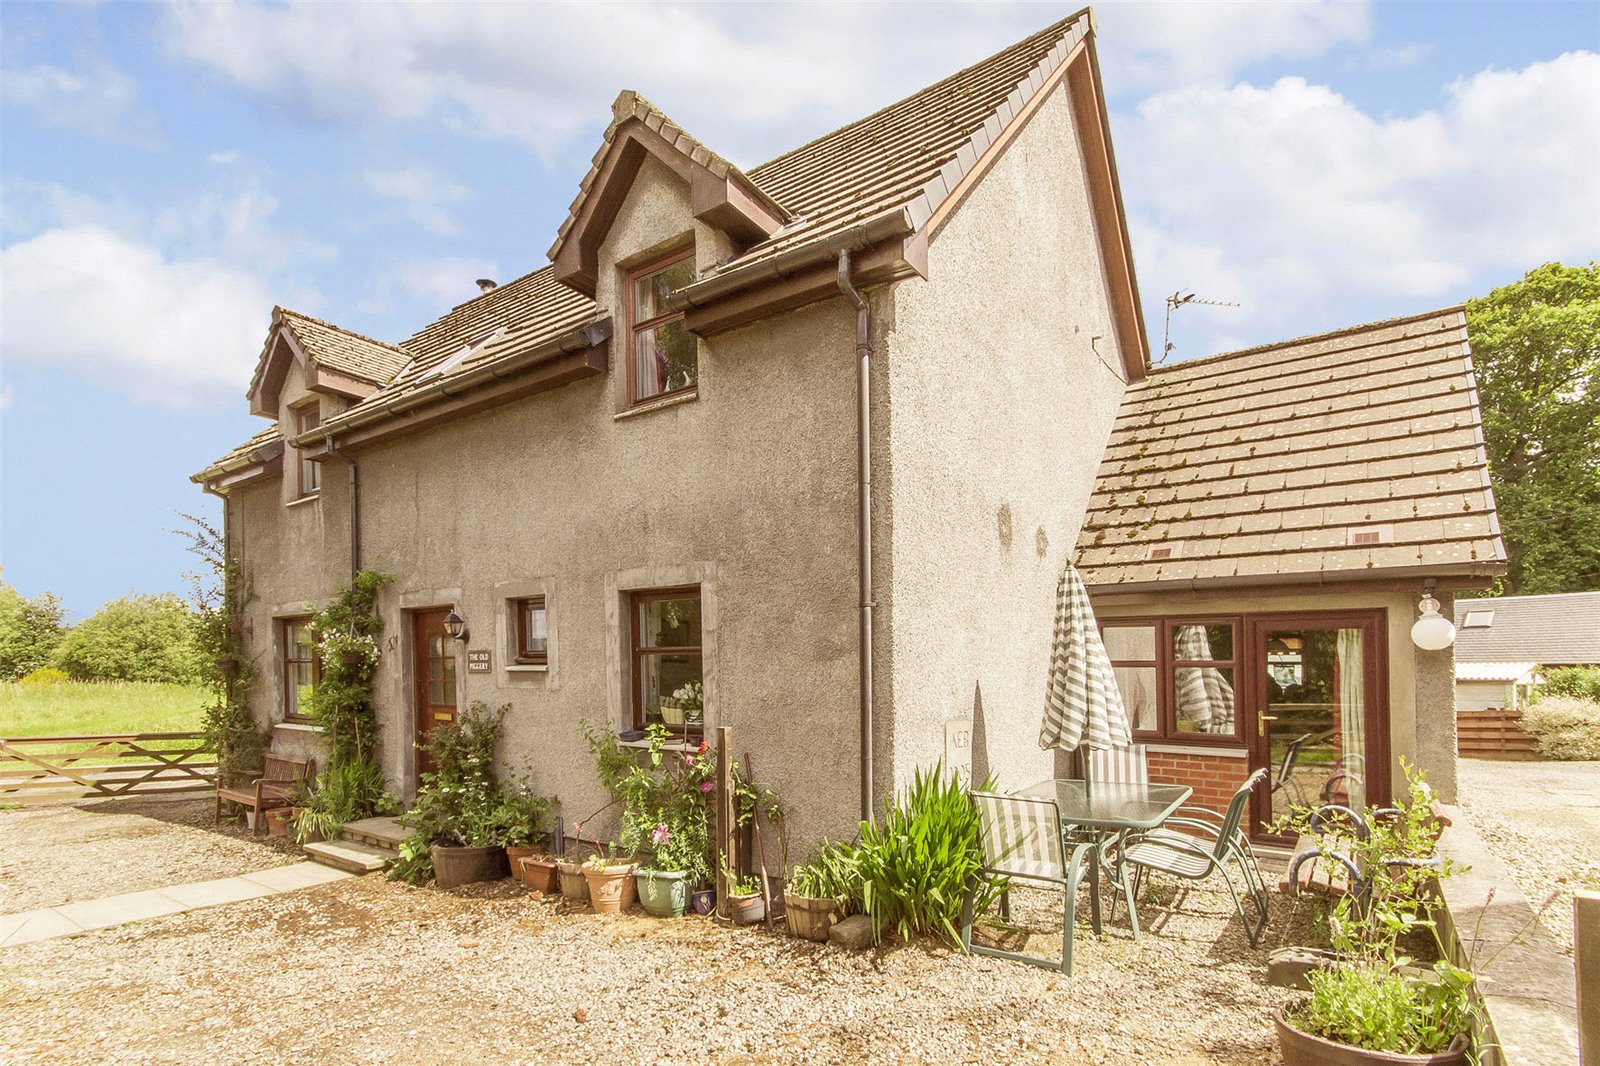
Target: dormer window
x: 665, y: 356
x: 306, y: 419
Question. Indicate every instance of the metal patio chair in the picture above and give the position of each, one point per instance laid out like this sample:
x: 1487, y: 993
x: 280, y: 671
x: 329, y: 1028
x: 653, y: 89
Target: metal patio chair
x: 1194, y: 844
x: 1119, y: 764
x: 1285, y: 776
x: 1021, y: 839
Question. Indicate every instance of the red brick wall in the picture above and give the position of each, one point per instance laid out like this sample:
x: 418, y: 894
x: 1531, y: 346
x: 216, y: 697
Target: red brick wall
x: 1214, y: 778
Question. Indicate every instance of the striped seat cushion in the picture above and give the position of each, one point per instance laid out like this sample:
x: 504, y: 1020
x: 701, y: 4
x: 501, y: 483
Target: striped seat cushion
x: 1168, y: 859
x: 1021, y: 836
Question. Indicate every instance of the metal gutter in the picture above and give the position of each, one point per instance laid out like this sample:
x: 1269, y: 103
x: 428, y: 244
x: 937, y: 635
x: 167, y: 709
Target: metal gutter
x: 891, y: 224
x: 576, y: 340
x: 863, y: 520
x: 263, y: 454
x: 1318, y: 579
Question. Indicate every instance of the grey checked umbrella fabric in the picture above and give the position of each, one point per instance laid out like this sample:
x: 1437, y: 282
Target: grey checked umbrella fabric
x: 1083, y: 707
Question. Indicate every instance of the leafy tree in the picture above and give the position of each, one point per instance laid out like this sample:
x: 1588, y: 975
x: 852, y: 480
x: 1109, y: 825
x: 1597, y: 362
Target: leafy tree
x: 30, y: 630
x: 1536, y: 347
x: 136, y: 638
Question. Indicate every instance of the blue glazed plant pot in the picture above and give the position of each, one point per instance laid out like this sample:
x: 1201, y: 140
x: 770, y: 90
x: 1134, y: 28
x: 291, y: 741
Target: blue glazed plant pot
x: 704, y: 901
x: 663, y: 893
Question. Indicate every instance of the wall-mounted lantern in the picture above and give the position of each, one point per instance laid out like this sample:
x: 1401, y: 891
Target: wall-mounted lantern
x: 456, y: 626
x: 1432, y: 631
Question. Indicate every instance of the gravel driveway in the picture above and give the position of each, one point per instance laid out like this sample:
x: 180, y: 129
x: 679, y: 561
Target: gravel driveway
x: 367, y: 971
x: 1542, y: 819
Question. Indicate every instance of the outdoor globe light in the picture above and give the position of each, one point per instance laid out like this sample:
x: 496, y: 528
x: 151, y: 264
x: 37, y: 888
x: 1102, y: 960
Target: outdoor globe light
x: 1433, y: 631
x: 456, y: 626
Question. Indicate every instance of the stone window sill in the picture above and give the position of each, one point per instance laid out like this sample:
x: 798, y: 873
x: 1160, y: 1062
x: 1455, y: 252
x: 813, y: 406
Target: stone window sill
x: 310, y: 497
x: 527, y: 668
x: 298, y: 727
x: 1197, y: 749
x: 657, y: 405
x: 671, y: 745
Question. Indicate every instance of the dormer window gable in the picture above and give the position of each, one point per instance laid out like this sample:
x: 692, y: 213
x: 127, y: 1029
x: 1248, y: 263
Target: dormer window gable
x: 720, y: 194
x: 333, y: 361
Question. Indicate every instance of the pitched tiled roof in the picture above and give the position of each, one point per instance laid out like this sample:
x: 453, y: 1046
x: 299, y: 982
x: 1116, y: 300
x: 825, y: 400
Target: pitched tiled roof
x: 264, y: 445
x: 340, y: 349
x: 909, y: 155
x: 1556, y: 630
x: 1271, y: 462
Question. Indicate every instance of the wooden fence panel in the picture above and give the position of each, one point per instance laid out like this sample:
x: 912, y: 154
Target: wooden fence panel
x: 37, y: 769
x: 1493, y: 735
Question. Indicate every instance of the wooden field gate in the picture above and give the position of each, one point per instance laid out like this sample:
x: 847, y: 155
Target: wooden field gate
x: 41, y: 769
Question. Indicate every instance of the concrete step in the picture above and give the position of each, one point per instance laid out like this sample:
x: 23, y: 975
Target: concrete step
x: 378, y: 832
x: 351, y: 855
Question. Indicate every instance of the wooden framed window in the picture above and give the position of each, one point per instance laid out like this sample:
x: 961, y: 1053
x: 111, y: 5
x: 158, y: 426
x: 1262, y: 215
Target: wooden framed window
x: 302, y: 668
x: 663, y: 355
x: 666, y: 671
x: 1178, y: 677
x: 533, y: 632
x: 306, y: 419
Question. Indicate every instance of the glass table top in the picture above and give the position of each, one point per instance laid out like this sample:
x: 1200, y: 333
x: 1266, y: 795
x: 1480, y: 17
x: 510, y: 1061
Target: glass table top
x: 1111, y: 804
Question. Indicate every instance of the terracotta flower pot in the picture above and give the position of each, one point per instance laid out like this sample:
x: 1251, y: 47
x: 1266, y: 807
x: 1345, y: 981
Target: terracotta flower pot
x: 573, y: 884
x: 611, y: 887
x: 1302, y: 1049
x: 280, y: 820
x: 453, y: 867
x: 515, y: 853
x: 540, y: 873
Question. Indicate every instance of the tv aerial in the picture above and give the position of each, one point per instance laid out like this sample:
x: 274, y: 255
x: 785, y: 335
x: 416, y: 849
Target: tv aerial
x: 1183, y: 299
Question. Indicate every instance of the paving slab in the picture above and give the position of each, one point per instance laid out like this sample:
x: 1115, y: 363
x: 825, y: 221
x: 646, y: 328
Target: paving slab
x: 212, y: 893
x: 27, y: 926
x: 300, y: 875
x: 118, y: 910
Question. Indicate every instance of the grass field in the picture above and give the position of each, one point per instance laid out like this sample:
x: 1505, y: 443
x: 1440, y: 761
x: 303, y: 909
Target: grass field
x: 78, y: 707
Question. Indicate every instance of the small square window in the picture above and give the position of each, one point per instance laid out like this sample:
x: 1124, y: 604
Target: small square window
x: 664, y: 356
x: 1479, y: 619
x: 533, y: 632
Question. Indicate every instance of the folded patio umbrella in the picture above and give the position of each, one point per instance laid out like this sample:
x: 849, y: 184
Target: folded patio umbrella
x: 1204, y: 694
x: 1083, y: 707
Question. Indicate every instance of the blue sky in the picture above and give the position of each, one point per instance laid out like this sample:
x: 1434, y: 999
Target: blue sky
x: 168, y: 172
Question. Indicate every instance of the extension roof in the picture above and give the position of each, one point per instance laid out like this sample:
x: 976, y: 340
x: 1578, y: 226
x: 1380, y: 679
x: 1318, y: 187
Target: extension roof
x: 889, y: 178
x: 1561, y: 629
x: 1346, y: 456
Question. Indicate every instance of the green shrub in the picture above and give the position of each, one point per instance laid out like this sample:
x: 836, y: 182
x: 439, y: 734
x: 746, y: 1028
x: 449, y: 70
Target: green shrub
x: 1578, y: 682
x: 45, y: 675
x: 137, y: 638
x: 834, y: 874
x: 916, y: 862
x: 1566, y: 728
x: 459, y: 803
x: 30, y: 631
x: 344, y: 794
x: 1388, y: 1011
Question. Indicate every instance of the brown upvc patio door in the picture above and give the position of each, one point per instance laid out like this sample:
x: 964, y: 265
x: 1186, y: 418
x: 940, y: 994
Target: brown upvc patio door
x: 433, y: 663
x: 1319, y: 688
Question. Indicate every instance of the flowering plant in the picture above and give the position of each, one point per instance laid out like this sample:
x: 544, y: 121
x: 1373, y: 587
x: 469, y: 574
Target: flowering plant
x: 665, y: 797
x: 691, y: 697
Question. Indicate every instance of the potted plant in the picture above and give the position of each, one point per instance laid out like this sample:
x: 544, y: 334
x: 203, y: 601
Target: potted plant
x: 1373, y: 1004
x: 456, y: 819
x: 745, y: 902
x: 523, y: 825
x: 611, y: 882
x: 570, y: 879
x: 279, y: 819
x: 678, y: 865
x: 819, y: 893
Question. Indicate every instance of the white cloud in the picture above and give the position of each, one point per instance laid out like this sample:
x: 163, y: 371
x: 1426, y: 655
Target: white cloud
x: 237, y: 223
x: 8, y: 397
x: 88, y: 300
x: 750, y: 79
x: 1292, y: 200
x: 223, y: 159
x: 427, y: 288
x: 95, y: 96
x: 424, y: 193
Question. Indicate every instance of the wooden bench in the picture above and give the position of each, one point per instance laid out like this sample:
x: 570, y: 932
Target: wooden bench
x: 279, y: 784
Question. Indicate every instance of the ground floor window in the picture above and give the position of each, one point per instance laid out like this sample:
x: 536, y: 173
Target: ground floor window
x: 302, y: 668
x: 667, y: 674
x: 533, y: 632
x: 1177, y: 676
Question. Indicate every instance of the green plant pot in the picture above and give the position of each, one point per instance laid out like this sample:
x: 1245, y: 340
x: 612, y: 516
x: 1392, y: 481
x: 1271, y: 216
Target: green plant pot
x: 663, y: 893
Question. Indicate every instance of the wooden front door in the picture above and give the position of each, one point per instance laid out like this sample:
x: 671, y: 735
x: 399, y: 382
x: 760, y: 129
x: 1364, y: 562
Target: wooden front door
x: 433, y: 659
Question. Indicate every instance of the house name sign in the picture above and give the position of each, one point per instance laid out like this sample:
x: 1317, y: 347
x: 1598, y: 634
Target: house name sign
x: 479, y: 662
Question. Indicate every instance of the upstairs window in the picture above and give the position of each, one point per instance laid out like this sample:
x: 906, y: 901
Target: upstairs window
x: 306, y: 419
x: 664, y: 355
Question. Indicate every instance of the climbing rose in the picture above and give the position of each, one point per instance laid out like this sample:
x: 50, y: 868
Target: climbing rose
x: 707, y: 786
x: 659, y: 835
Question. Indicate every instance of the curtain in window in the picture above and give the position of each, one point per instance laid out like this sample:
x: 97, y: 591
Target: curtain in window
x: 1350, y: 678
x: 1204, y: 694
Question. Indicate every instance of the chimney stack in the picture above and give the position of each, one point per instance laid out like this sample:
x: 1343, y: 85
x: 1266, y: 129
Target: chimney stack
x: 486, y: 284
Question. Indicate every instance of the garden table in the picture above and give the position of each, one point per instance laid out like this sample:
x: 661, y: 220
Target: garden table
x: 1106, y: 808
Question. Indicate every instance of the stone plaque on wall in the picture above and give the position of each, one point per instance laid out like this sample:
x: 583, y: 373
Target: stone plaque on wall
x: 479, y: 662
x: 958, y: 748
